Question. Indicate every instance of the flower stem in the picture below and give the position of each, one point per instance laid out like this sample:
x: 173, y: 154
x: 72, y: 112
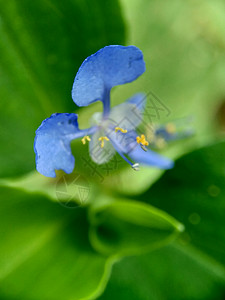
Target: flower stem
x: 106, y: 103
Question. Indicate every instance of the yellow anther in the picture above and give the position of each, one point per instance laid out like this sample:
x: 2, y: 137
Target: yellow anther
x: 170, y: 128
x: 86, y: 137
x: 141, y: 140
x: 120, y: 129
x: 102, y: 139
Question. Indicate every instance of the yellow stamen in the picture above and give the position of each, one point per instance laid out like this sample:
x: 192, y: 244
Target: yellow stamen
x: 141, y: 140
x: 120, y: 129
x: 102, y: 139
x: 86, y: 137
x: 170, y: 128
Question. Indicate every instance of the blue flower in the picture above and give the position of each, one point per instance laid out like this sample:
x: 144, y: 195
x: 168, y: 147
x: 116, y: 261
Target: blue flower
x: 111, y: 131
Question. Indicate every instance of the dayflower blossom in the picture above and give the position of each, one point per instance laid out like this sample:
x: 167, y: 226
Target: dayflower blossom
x: 113, y: 130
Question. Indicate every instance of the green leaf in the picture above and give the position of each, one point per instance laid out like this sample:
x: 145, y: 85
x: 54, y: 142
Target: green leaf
x: 64, y: 187
x: 193, y: 192
x: 45, y: 252
x: 124, y: 227
x: 170, y: 273
x: 193, y: 267
x: 42, y: 45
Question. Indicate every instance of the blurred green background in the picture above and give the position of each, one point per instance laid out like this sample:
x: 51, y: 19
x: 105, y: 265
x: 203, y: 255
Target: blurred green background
x: 126, y: 240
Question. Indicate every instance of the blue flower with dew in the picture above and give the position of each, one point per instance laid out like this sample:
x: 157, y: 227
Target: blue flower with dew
x: 113, y: 130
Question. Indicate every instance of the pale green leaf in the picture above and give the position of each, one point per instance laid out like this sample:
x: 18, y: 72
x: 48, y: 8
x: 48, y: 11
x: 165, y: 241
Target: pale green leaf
x: 45, y: 252
x: 124, y: 227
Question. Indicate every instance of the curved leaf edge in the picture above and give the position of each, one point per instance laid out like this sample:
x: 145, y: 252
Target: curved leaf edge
x: 103, y: 249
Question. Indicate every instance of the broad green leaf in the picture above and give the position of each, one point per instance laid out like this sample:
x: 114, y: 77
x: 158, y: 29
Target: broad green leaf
x: 193, y: 192
x: 124, y: 227
x: 193, y: 267
x: 45, y: 252
x: 65, y: 188
x: 42, y: 45
x: 171, y: 273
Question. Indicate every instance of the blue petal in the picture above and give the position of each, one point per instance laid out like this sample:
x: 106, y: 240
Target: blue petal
x: 128, y: 115
x: 110, y: 66
x: 52, y: 144
x: 126, y: 143
x: 138, y: 155
x: 139, y: 100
